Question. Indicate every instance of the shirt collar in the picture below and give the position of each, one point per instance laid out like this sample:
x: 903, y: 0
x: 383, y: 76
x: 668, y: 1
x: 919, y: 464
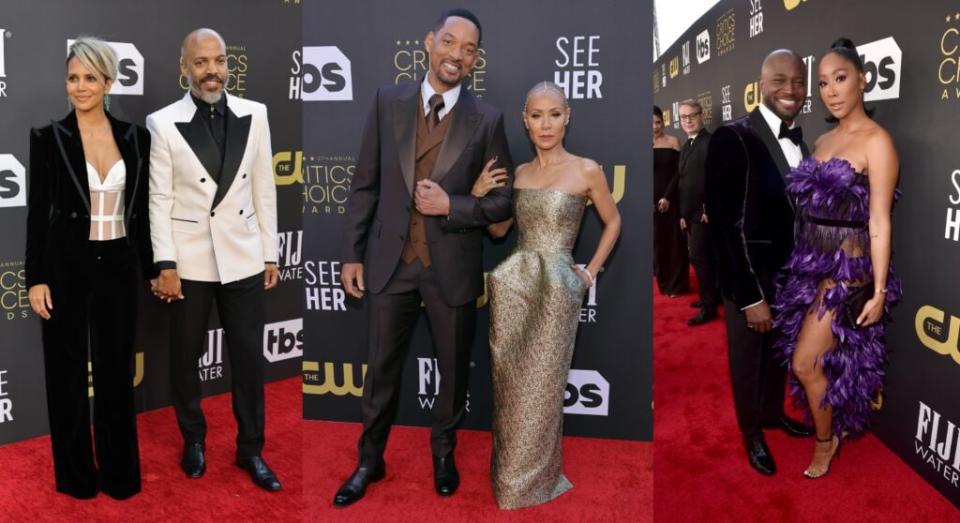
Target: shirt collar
x: 220, y: 107
x: 449, y: 98
x: 774, y: 121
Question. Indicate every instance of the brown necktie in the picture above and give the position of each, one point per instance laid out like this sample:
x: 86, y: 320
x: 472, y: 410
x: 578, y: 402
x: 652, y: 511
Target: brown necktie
x: 436, y: 103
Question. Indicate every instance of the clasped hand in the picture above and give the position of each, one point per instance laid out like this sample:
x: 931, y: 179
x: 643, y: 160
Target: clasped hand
x: 166, y: 286
x: 431, y: 199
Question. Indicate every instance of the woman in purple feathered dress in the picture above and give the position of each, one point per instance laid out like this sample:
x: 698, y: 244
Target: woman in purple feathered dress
x: 844, y: 195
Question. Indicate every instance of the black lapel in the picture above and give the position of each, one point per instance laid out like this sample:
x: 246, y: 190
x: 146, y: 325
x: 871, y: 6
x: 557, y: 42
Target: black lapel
x: 197, y: 135
x: 67, y: 135
x: 125, y: 136
x: 766, y: 136
x: 685, y: 153
x: 466, y: 117
x: 238, y: 131
x: 405, y: 132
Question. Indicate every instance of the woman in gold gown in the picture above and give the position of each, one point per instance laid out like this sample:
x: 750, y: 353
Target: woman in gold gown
x: 535, y: 299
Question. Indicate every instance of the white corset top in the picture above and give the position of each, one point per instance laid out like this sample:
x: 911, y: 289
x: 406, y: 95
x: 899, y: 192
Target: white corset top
x: 106, y: 202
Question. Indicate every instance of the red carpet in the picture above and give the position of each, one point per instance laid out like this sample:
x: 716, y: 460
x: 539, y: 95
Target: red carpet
x: 701, y: 466
x: 612, y: 480
x: 224, y: 493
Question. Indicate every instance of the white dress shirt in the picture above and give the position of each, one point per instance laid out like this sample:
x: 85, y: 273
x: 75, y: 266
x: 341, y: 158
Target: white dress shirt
x: 791, y: 150
x: 449, y: 98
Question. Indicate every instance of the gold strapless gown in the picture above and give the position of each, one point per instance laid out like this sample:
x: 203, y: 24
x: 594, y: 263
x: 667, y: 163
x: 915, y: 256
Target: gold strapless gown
x: 535, y: 299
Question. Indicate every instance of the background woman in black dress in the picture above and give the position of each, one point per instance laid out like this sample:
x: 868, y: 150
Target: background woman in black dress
x: 670, y: 263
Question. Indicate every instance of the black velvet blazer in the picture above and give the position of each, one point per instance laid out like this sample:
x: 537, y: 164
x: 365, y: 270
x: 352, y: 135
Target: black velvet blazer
x: 58, y: 204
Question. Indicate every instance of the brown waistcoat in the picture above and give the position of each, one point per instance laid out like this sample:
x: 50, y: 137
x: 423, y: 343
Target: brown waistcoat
x: 427, y: 150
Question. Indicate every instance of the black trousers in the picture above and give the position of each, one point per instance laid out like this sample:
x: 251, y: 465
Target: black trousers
x: 393, y: 315
x: 757, y: 377
x: 704, y: 263
x: 241, y: 309
x: 95, y: 310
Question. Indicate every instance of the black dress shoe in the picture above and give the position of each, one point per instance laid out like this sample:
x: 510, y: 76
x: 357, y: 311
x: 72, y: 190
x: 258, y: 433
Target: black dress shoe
x: 446, y: 479
x: 260, y: 473
x: 706, y: 314
x: 356, y: 485
x: 193, y: 463
x: 791, y: 426
x: 697, y: 304
x: 760, y: 457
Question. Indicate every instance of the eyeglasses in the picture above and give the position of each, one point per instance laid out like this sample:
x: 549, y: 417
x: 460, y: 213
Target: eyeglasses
x: 691, y: 116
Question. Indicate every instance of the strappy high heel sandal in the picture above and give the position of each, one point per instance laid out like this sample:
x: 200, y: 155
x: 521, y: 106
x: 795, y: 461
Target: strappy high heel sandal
x: 835, y: 455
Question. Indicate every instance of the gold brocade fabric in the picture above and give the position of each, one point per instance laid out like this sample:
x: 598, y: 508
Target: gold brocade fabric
x: 535, y: 298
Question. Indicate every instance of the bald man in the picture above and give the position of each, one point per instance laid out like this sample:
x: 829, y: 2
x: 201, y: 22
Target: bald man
x: 213, y: 218
x: 752, y: 233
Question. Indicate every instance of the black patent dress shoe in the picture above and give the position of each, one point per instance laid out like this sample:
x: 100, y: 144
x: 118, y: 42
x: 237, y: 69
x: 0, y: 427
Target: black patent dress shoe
x: 356, y: 485
x: 706, y: 314
x: 791, y: 426
x: 446, y: 479
x: 697, y: 304
x: 260, y: 473
x: 193, y: 462
x: 760, y: 457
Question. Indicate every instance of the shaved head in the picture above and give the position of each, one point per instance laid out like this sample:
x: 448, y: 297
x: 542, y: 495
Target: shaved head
x: 783, y: 83
x: 779, y: 57
x: 198, y: 35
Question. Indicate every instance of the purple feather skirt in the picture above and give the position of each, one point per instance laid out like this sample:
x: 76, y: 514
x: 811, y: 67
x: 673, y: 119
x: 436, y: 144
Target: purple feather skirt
x: 832, y: 247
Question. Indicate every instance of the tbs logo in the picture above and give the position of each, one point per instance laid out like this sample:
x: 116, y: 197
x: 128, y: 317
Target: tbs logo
x: 321, y: 74
x: 703, y: 46
x: 283, y: 340
x: 13, y: 178
x: 588, y: 392
x: 129, y: 68
x: 881, y: 62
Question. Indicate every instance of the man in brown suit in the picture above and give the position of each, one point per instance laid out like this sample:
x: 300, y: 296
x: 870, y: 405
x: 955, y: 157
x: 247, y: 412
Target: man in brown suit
x: 414, y: 233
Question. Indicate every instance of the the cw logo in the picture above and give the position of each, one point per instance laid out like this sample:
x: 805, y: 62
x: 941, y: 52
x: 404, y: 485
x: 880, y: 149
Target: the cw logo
x: 329, y: 383
x: 674, y: 66
x: 792, y: 4
x: 137, y: 374
x: 288, y: 167
x: 931, y: 326
x: 751, y: 96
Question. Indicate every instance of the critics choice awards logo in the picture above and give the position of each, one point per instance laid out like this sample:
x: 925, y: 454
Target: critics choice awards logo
x: 14, y: 300
x: 6, y: 402
x: 322, y: 286
x: 706, y: 102
x: 948, y: 72
x: 937, y: 443
x: 726, y: 33
x: 320, y: 74
x: 411, y: 62
x: 756, y: 17
x: 325, y: 179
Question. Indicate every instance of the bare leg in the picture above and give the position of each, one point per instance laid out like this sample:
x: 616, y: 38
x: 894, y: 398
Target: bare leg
x: 814, y: 340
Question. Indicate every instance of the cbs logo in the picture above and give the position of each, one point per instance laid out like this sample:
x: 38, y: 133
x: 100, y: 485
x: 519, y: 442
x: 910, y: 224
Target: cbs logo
x: 129, y: 68
x: 324, y: 75
x: 587, y: 392
x: 881, y: 63
x: 13, y: 178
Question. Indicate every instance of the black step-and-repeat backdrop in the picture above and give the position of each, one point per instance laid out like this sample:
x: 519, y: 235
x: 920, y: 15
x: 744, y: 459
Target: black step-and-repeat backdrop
x: 147, y: 37
x: 598, y: 56
x: 911, y: 51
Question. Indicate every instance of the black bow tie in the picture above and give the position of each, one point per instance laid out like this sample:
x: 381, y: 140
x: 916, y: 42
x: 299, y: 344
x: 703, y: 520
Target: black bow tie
x: 795, y: 135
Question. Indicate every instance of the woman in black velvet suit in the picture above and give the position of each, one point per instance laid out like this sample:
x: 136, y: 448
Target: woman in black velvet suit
x: 87, y: 231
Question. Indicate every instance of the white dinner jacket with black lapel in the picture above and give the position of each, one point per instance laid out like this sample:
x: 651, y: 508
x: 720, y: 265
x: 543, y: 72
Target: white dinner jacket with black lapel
x: 217, y: 232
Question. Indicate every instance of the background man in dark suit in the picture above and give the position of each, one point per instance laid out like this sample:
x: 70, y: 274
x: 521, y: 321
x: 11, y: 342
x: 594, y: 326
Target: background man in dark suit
x: 693, y: 216
x: 414, y: 233
x: 752, y: 220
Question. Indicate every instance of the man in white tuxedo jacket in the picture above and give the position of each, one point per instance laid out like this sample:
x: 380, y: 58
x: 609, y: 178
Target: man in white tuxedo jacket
x: 213, y: 217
